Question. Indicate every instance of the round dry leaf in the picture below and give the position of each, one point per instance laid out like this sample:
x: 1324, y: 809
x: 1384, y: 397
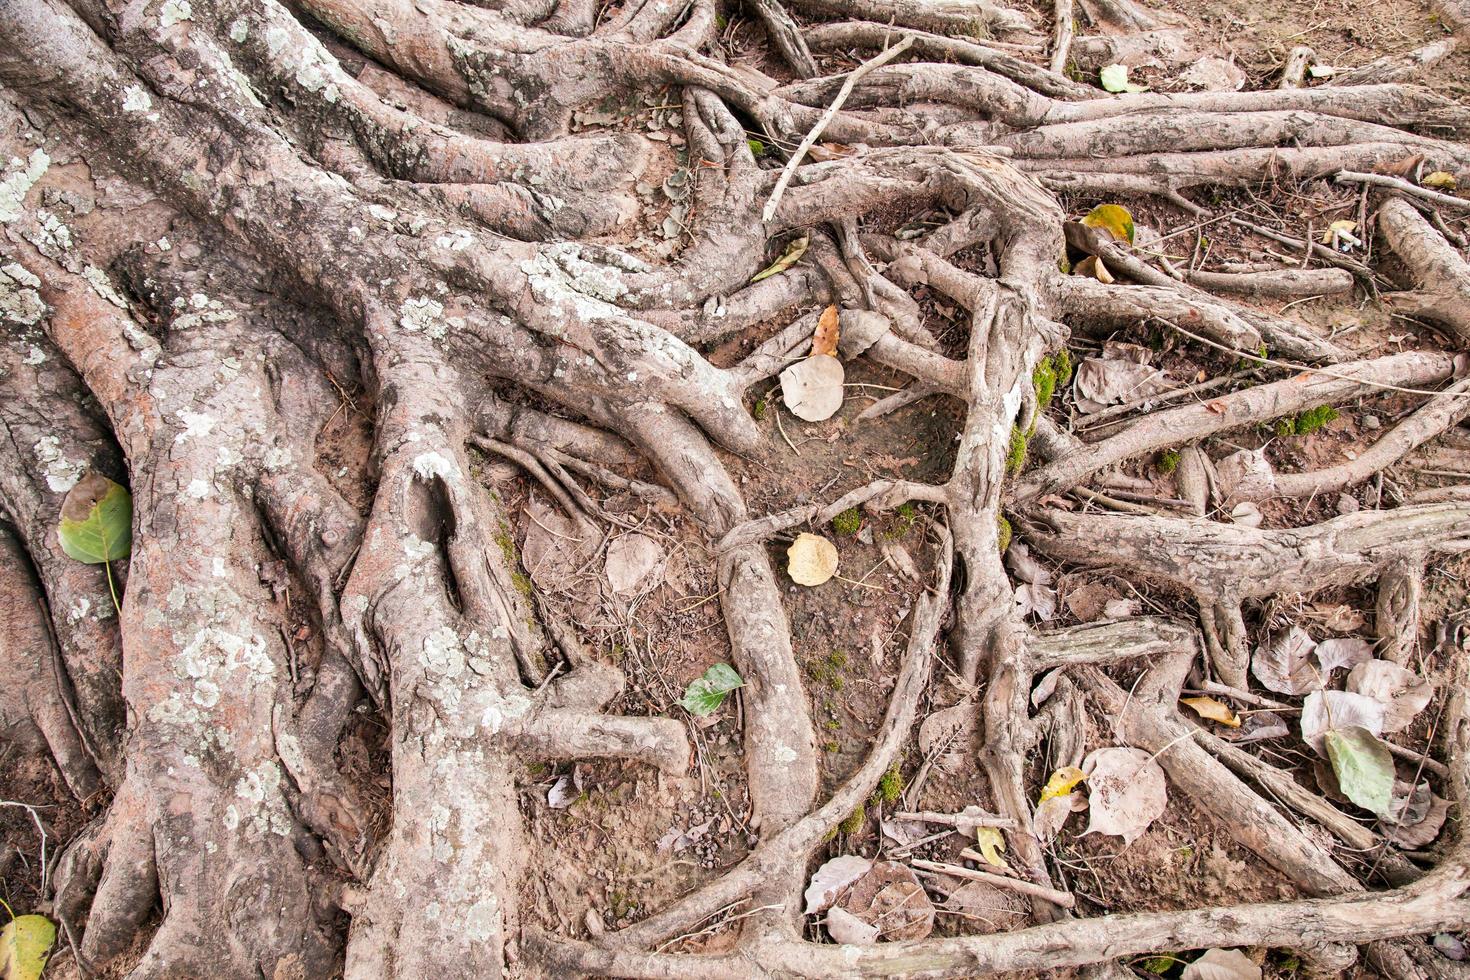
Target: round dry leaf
x: 992, y: 909
x: 1109, y: 382
x: 812, y: 388
x: 1401, y: 692
x: 1222, y: 964
x: 1284, y: 662
x: 830, y: 879
x: 1425, y: 831
x: 948, y: 728
x: 890, y: 897
x: 1323, y: 710
x: 811, y: 559
x: 631, y: 562
x: 1126, y: 792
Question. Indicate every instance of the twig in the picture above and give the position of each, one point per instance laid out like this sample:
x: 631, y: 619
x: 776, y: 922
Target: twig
x: 1053, y: 895
x: 876, y: 61
x: 36, y: 818
x: 1062, y: 49
x: 955, y: 819
x: 1397, y: 184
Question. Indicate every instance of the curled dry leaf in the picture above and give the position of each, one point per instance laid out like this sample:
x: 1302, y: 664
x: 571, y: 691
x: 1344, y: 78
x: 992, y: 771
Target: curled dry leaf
x: 1326, y: 710
x: 1213, y: 709
x: 1401, y: 692
x: 1246, y: 514
x: 812, y: 388
x: 788, y: 258
x: 1420, y: 832
x: 1061, y: 783
x: 824, y: 339
x: 1284, y: 662
x: 1114, y: 219
x: 811, y: 559
x: 860, y: 329
x: 1022, y: 565
x: 1036, y: 599
x: 562, y: 794
x: 844, y: 927
x: 1051, y: 815
x: 1348, y: 651
x: 1258, y: 725
x: 631, y: 562
x: 830, y: 879
x: 1126, y: 792
x: 1092, y: 267
x: 1214, y: 75
x: 992, y: 845
x: 1245, y: 475
x: 1222, y: 964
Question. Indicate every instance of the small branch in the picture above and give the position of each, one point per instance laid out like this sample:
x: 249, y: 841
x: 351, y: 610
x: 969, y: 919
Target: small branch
x: 1404, y: 187
x: 1055, y: 896
x: 826, y: 119
x: 956, y: 819
x: 1065, y: 28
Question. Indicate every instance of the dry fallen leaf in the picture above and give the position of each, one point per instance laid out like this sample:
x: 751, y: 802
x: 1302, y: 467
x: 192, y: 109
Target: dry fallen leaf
x: 631, y: 562
x: 844, y: 927
x: 1093, y: 268
x: 1126, y: 792
x: 992, y: 845
x: 824, y: 340
x: 812, y: 388
x: 1440, y: 179
x: 1061, y: 783
x: 1401, y: 692
x: 1345, y: 651
x: 1284, y: 662
x: 1214, y: 710
x: 1325, y: 711
x: 830, y: 879
x: 811, y: 559
x: 1051, y: 814
x: 857, y: 330
x: 949, y: 730
x: 1100, y: 383
x: 890, y: 897
x: 1222, y: 964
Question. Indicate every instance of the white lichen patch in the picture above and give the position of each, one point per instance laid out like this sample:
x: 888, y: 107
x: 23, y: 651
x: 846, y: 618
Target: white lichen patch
x: 432, y: 464
x: 15, y: 186
x: 79, y: 610
x: 20, y: 302
x: 455, y: 241
x: 382, y: 213
x: 560, y: 277
x: 51, y: 236
x: 239, y: 30
x: 198, y: 489
x: 313, y: 66
x: 102, y: 286
x: 423, y: 314
x: 136, y: 99
x: 785, y: 755
x: 174, y: 12
x: 196, y: 425
x: 61, y: 473
x: 444, y: 653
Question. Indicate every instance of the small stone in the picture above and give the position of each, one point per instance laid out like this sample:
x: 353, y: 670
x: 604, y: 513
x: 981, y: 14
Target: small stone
x: 1371, y: 422
x: 1347, y: 504
x: 594, y: 923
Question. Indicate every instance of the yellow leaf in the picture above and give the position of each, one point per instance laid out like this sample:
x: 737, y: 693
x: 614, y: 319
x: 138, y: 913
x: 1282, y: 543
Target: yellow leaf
x: 1113, y: 219
x: 1062, y: 782
x: 23, y: 946
x: 811, y: 559
x: 824, y: 341
x: 1337, y: 229
x: 992, y: 844
x: 788, y: 258
x: 1092, y: 267
x: 1440, y: 179
x: 1213, y: 710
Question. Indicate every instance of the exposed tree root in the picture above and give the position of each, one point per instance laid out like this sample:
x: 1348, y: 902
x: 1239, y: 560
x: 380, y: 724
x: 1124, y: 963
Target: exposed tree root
x: 340, y: 237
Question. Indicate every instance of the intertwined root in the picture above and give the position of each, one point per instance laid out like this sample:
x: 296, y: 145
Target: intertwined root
x: 421, y: 264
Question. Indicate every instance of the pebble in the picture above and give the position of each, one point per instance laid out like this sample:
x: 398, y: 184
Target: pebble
x: 1371, y: 422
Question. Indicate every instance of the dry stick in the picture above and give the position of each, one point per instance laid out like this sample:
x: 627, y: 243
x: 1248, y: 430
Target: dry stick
x: 956, y: 819
x: 1060, y: 898
x: 811, y: 138
x: 1062, y: 50
x: 1403, y: 186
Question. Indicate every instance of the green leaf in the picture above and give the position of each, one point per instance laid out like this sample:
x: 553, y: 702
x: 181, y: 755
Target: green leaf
x: 705, y: 694
x: 1115, y: 79
x: 97, y: 521
x: 23, y: 945
x: 788, y: 258
x: 1114, y: 219
x: 1363, y: 766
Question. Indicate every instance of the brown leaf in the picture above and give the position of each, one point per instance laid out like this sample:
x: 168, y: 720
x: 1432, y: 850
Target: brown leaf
x: 1214, y: 710
x: 824, y: 340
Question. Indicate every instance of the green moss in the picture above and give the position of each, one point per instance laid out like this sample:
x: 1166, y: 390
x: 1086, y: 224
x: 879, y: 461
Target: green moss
x: 829, y: 836
x: 759, y: 410
x: 1307, y: 422
x: 1016, y: 454
x: 829, y: 746
x: 855, y: 820
x: 1044, y: 381
x: 837, y: 659
x: 831, y: 724
x: 757, y: 148
x: 1064, y: 367
x: 1004, y: 532
x: 890, y: 785
x: 906, y: 516
x: 1168, y: 461
x: 522, y: 582
x: 847, y: 522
